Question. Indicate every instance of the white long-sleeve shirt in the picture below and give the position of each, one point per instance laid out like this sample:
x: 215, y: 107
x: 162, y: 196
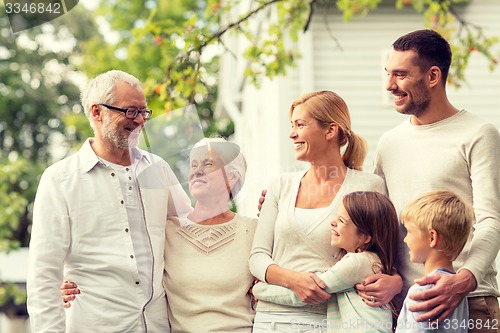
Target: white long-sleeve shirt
x: 460, y: 154
x: 81, y: 231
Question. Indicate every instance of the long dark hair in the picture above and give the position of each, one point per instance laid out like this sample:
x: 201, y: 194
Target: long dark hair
x: 375, y: 215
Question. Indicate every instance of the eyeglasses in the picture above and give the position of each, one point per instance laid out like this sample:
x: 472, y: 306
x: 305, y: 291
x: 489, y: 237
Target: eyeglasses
x: 131, y: 113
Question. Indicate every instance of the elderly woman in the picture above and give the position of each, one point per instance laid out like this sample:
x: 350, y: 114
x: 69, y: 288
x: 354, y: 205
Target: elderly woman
x: 207, y: 279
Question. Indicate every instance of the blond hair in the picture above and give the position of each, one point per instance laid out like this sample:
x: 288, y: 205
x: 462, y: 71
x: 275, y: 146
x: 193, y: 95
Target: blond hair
x: 327, y: 107
x: 231, y: 158
x: 444, y: 212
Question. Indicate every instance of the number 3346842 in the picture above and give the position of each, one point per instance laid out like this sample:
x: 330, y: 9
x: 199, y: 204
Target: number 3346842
x: 470, y: 324
x: 32, y: 8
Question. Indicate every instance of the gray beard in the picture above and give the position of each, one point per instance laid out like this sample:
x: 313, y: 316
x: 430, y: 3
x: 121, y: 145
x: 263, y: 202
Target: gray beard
x: 112, y: 135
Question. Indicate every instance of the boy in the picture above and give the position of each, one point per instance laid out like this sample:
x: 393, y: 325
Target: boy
x: 438, y: 225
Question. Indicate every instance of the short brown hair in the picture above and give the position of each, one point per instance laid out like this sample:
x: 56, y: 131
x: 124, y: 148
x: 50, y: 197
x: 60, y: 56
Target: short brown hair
x: 431, y: 48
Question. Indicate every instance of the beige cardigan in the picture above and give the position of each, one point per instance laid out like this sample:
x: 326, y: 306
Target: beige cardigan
x: 279, y: 240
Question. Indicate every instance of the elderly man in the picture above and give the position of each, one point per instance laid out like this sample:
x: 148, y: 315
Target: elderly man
x: 99, y: 219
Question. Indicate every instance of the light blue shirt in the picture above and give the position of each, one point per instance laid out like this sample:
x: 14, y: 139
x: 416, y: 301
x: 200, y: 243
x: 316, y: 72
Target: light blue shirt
x: 457, y: 321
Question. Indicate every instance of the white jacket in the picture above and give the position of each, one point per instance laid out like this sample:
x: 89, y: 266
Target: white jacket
x: 81, y: 231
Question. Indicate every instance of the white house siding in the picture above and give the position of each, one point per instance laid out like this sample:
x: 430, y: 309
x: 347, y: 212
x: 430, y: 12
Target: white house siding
x: 357, y: 73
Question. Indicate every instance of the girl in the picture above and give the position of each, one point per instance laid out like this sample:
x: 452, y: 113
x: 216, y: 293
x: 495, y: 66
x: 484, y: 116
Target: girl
x: 365, y: 232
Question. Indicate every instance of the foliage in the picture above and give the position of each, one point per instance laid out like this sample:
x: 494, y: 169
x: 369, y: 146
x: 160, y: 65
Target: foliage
x: 12, y: 299
x: 149, y: 56
x: 31, y: 96
x: 270, y: 28
x: 38, y: 93
x: 202, y: 32
x: 18, y: 182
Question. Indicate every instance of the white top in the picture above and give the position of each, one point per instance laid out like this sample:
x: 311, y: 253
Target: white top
x: 81, y: 231
x: 460, y: 154
x: 306, y: 216
x: 279, y: 239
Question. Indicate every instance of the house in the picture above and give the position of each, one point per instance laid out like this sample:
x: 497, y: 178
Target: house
x: 356, y: 72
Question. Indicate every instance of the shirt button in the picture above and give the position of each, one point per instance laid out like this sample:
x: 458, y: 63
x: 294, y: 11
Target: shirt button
x: 121, y: 201
x: 127, y: 169
x: 130, y: 188
x: 129, y: 178
x: 126, y: 229
x: 131, y: 256
x: 112, y: 174
x: 137, y: 282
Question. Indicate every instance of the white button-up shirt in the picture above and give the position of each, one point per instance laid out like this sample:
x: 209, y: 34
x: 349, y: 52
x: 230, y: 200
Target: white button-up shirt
x: 81, y: 231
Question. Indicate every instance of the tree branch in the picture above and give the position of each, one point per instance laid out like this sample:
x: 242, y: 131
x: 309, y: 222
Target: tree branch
x: 230, y: 26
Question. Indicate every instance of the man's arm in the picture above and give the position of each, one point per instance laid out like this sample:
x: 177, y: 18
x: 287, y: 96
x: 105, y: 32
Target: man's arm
x: 382, y: 287
x: 48, y: 248
x: 449, y: 291
x: 485, y: 180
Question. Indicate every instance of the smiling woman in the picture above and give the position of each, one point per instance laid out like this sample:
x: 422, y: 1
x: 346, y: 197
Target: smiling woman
x: 217, y: 171
x: 207, y: 278
x: 292, y: 239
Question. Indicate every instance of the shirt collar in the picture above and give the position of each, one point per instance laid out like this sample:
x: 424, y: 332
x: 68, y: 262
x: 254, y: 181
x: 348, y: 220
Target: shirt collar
x: 89, y: 159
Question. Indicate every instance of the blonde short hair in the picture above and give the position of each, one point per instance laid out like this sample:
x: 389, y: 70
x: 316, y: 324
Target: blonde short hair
x: 444, y: 212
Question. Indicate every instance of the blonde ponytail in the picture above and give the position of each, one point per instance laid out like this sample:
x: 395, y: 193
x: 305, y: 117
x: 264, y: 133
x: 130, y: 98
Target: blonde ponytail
x: 328, y: 107
x: 355, y: 152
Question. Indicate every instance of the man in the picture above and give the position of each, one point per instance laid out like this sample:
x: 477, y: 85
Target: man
x: 99, y: 219
x: 442, y: 147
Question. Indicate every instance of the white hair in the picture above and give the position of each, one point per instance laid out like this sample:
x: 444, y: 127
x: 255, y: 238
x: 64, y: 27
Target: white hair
x: 231, y: 156
x: 101, y: 89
